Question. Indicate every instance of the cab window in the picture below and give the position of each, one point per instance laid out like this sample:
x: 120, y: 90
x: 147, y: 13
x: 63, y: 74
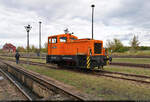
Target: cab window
x: 54, y: 40
x: 63, y: 39
x: 49, y: 40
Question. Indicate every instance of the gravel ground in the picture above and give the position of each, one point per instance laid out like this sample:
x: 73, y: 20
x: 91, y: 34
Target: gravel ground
x: 8, y: 91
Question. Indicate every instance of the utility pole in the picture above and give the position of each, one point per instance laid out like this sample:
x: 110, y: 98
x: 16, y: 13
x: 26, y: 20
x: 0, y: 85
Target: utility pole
x: 28, y: 28
x: 39, y: 37
x: 92, y: 17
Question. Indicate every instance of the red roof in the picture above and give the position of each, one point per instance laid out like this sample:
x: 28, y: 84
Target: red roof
x: 9, y: 46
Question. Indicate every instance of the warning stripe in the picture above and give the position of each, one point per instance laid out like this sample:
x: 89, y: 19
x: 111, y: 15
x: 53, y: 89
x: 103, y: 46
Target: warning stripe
x: 107, y: 61
x: 88, y: 62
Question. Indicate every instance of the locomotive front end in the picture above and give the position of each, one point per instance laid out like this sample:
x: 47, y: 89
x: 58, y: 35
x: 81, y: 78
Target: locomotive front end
x: 97, y: 58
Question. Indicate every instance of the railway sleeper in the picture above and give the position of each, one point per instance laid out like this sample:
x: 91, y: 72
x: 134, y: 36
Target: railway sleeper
x: 37, y: 87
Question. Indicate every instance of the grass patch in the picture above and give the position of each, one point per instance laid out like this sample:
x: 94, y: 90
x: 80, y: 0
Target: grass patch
x: 25, y: 59
x: 105, y: 88
x: 137, y: 53
x: 130, y: 70
x: 132, y: 60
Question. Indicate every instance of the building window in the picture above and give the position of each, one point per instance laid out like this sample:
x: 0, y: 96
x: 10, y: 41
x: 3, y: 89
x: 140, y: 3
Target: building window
x: 63, y: 39
x: 54, y: 40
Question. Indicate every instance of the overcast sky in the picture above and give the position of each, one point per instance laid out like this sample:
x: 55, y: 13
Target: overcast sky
x: 112, y: 19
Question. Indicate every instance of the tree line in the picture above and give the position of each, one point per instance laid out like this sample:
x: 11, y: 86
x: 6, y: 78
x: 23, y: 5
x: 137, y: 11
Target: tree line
x: 117, y: 46
x: 32, y: 48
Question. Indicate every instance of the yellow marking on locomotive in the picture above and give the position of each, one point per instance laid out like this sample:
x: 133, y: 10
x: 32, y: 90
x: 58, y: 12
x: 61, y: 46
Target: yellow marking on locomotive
x: 88, y: 62
x: 107, y: 61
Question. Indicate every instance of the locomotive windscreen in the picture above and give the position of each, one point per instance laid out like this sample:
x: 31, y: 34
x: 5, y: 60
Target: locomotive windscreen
x: 97, y: 48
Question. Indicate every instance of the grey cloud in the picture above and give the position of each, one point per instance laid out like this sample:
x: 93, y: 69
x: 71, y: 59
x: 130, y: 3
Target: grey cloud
x: 134, y: 12
x: 129, y: 15
x: 130, y: 12
x: 122, y: 37
x: 126, y: 37
x: 51, y: 10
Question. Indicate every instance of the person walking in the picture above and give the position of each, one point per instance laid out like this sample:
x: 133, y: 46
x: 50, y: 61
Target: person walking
x: 17, y: 55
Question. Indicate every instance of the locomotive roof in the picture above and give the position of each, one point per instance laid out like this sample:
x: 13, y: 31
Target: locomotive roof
x: 83, y: 39
x: 63, y: 35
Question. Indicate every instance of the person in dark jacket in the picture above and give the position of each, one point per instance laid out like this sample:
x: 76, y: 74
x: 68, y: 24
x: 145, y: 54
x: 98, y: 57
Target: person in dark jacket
x: 17, y: 55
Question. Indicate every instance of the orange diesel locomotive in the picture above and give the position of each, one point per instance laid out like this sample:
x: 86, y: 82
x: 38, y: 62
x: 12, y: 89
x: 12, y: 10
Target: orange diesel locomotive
x: 67, y: 49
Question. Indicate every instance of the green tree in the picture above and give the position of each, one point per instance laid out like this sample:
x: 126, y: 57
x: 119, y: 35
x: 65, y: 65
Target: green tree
x: 109, y: 44
x: 21, y: 49
x: 33, y: 48
x: 29, y: 49
x: 134, y: 43
x: 45, y: 48
x: 115, y: 45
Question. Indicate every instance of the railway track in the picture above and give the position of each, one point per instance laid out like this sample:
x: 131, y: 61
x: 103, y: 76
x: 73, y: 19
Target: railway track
x: 124, y: 76
x: 10, y: 90
x: 117, y: 75
x: 25, y: 57
x: 40, y: 86
x: 133, y: 65
x: 113, y: 56
x: 15, y: 83
x: 130, y: 56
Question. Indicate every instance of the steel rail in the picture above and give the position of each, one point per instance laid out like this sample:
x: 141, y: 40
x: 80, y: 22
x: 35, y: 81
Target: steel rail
x: 129, y: 79
x: 15, y: 84
x: 125, y: 74
x: 97, y: 72
x: 131, y: 65
x: 44, y: 82
x: 25, y: 57
x: 147, y: 66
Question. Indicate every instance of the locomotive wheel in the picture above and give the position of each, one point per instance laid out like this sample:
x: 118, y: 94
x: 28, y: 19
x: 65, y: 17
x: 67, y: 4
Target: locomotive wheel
x: 61, y: 63
x: 94, y: 64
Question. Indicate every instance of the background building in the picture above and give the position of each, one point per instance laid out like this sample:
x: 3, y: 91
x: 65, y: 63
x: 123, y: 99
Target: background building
x: 8, y: 47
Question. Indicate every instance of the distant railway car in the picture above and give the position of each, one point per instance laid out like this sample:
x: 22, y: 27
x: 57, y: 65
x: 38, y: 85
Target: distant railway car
x: 67, y: 49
